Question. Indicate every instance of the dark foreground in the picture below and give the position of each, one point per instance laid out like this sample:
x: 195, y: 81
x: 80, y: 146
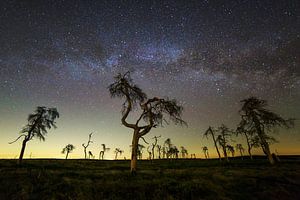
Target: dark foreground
x: 177, y: 179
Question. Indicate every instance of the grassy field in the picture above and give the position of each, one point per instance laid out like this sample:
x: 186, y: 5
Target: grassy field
x: 162, y: 179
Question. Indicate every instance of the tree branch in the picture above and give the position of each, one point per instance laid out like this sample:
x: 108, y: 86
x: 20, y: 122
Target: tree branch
x: 17, y: 139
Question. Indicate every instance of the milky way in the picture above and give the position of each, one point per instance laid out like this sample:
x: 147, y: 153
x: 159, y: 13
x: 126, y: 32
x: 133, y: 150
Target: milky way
x: 207, y: 54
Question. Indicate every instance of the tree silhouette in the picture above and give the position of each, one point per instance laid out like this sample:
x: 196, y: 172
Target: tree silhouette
x: 222, y: 139
x: 241, y: 149
x: 102, y: 152
x: 159, y: 151
x: 154, y: 145
x: 230, y: 149
x: 85, y: 146
x: 183, y: 151
x: 260, y: 121
x: 118, y: 151
x: 38, y: 124
x: 205, y: 151
x: 91, y: 155
x: 211, y: 132
x: 153, y: 111
x: 149, y: 153
x: 167, y: 147
x: 140, y: 151
x: 68, y: 149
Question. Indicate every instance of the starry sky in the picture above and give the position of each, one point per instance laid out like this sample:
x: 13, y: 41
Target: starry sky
x: 208, y: 55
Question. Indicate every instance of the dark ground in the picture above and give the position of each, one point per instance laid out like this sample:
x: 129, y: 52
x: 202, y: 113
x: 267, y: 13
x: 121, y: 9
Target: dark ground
x: 163, y: 179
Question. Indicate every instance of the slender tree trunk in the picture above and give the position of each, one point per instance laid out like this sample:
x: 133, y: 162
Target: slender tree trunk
x: 267, y: 151
x: 133, y: 163
x: 22, y: 150
x: 249, y: 146
x: 213, y: 136
x: 84, y: 152
x: 67, y: 155
x: 225, y: 154
x: 264, y: 143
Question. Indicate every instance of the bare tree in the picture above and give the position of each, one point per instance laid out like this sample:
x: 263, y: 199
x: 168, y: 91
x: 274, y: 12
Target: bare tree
x: 167, y: 146
x: 68, y: 149
x: 91, y: 155
x: 183, y: 151
x: 102, y: 152
x: 159, y: 151
x: 42, y: 119
x: 152, y: 110
x: 222, y: 139
x: 85, y: 146
x: 211, y: 132
x: 118, y: 151
x: 241, y: 149
x: 205, y: 151
x: 230, y: 149
x: 154, y: 145
x: 259, y: 120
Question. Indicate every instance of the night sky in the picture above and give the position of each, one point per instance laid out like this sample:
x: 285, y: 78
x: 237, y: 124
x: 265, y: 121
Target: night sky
x: 208, y: 55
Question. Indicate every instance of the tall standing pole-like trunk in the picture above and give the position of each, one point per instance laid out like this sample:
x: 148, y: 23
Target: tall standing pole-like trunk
x: 22, y: 150
x: 249, y: 146
x: 67, y: 155
x: 133, y: 162
x: 215, y: 142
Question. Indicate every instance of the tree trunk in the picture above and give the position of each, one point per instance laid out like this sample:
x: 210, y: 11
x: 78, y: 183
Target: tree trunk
x: 249, y: 146
x: 264, y: 143
x: 225, y: 154
x: 22, y: 151
x: 133, y: 163
x: 267, y: 151
x: 84, y: 152
x: 216, y: 146
x: 67, y: 155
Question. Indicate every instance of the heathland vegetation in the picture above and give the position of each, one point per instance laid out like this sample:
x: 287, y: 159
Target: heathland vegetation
x: 167, y: 171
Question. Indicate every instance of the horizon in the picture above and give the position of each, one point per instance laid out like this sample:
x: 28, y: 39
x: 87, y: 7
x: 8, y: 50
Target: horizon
x: 207, y: 55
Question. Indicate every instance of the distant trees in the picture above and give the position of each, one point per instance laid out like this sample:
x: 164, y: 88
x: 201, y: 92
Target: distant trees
x: 222, y: 139
x: 257, y: 119
x: 241, y: 149
x: 205, y: 151
x: 153, y: 111
x: 211, y: 132
x: 68, y: 149
x: 154, y: 145
x: 38, y: 124
x: 85, y: 146
x: 91, y: 155
x: 102, y: 152
x: 230, y: 149
x: 184, y: 152
x: 118, y: 151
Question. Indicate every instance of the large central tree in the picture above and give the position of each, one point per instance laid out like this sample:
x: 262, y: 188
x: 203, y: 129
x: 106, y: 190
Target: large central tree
x: 152, y: 111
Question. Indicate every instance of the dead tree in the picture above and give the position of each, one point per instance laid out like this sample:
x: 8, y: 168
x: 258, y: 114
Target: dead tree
x: 154, y: 145
x: 91, y: 155
x: 102, y: 152
x: 153, y: 111
x: 85, y: 146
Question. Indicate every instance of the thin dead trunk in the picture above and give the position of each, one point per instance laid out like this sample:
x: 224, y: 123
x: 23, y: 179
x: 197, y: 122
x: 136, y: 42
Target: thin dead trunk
x: 67, y: 155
